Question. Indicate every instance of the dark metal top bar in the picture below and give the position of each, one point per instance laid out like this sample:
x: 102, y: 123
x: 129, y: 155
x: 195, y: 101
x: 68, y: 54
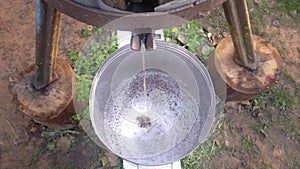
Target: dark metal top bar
x: 99, y: 18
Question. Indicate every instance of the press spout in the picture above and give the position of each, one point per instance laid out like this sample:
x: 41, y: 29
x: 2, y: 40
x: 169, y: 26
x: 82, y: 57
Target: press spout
x: 147, y: 38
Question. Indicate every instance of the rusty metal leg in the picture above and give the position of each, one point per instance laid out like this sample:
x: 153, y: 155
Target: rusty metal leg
x: 54, y: 109
x: 237, y: 15
x: 48, y: 22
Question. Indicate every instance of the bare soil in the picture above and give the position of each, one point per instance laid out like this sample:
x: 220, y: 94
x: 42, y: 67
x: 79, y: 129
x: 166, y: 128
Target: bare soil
x: 260, y: 136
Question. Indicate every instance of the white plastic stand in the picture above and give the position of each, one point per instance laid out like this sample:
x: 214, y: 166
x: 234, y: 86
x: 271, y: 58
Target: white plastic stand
x: 130, y: 165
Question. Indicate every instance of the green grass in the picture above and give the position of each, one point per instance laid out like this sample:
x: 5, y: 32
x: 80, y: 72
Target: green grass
x: 49, y: 134
x: 219, y: 24
x: 248, y: 144
x: 65, y: 166
x: 87, y: 63
x: 261, y: 15
x: 281, y: 98
x: 192, y: 37
x: 201, y: 156
x: 262, y: 127
x: 259, y: 100
x: 275, y: 107
x: 35, y: 159
x: 293, y: 161
x: 83, y: 33
x: 291, y: 81
x: 73, y: 55
x: 257, y: 17
x: 296, y: 135
x: 51, y: 139
x: 48, y: 147
x: 289, y: 5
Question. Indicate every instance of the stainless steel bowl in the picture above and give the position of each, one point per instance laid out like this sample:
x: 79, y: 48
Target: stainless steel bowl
x: 167, y: 124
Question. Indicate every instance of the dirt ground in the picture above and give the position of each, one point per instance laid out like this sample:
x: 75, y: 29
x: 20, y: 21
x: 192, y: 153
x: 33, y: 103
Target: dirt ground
x: 262, y: 133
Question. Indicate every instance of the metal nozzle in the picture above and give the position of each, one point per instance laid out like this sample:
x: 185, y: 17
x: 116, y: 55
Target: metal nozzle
x: 147, y: 38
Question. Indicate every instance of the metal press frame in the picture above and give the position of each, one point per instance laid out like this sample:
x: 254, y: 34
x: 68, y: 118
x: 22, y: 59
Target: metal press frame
x: 48, y: 23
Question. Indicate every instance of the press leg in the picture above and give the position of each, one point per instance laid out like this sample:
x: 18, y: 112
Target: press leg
x: 48, y: 22
x: 237, y: 15
x: 246, y: 63
x: 53, y: 105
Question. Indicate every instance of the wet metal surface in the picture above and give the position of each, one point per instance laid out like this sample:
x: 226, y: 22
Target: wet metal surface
x: 181, y: 96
